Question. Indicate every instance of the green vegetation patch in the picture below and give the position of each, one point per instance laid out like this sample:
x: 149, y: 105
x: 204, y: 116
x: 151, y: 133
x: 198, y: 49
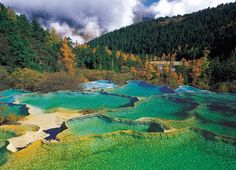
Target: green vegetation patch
x: 183, y: 149
x: 4, y: 135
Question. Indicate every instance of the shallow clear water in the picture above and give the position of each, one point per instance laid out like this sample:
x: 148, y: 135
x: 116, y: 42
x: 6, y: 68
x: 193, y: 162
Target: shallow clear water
x: 185, y: 151
x: 167, y: 107
x: 99, y: 124
x: 7, y: 98
x: 180, y: 150
x: 140, y: 89
x: 18, y: 110
x: 214, y: 107
x: 11, y: 92
x: 74, y: 100
x: 213, y: 111
x: 189, y: 146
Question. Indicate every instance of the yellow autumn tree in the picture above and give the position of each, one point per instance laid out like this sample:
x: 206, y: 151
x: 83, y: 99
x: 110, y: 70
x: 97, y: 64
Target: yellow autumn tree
x: 54, y: 38
x: 67, y: 58
x: 125, y: 56
x: 118, y: 53
x: 150, y: 71
x: 11, y: 14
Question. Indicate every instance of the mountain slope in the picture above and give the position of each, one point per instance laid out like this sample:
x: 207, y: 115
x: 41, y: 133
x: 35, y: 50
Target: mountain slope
x: 186, y: 35
x: 24, y: 43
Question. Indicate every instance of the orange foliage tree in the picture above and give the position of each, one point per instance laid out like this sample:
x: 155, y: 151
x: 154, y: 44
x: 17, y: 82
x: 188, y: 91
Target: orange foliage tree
x: 158, y: 72
x: 150, y: 71
x: 67, y: 57
x: 118, y: 53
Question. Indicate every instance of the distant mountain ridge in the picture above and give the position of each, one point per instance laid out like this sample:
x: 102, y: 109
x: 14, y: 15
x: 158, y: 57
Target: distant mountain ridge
x: 186, y: 35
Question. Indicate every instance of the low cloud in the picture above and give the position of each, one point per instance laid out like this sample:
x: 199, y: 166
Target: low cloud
x: 88, y: 17
x: 67, y: 31
x: 176, y: 7
x: 83, y: 20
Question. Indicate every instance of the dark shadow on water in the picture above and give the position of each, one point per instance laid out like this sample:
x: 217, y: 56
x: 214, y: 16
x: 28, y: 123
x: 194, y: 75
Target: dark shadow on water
x: 165, y: 89
x: 207, y: 135
x: 20, y: 148
x: 190, y: 106
x: 228, y: 124
x: 145, y: 84
x: 224, y: 108
x: 155, y: 128
x: 55, y: 131
x: 23, y: 110
x: 133, y: 100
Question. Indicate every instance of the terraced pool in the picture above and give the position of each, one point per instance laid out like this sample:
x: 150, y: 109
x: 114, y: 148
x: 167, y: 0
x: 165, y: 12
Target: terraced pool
x: 6, y: 100
x: 185, y: 149
x: 140, y: 89
x: 9, y: 96
x: 166, y: 106
x: 99, y: 124
x: 187, y: 128
x: 75, y: 100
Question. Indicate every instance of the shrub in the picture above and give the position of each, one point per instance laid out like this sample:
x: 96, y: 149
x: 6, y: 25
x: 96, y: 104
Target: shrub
x: 11, y: 118
x: 229, y: 87
x: 59, y: 81
x: 25, y: 79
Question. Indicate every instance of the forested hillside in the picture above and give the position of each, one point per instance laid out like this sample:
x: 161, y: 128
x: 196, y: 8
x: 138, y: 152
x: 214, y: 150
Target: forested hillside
x: 205, y: 39
x: 186, y: 35
x: 34, y: 58
x: 25, y: 43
